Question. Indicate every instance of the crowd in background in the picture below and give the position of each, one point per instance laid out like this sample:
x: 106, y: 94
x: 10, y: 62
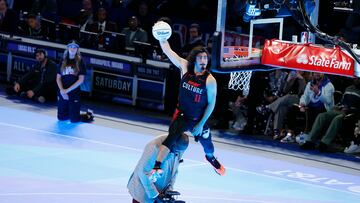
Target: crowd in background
x: 310, y: 109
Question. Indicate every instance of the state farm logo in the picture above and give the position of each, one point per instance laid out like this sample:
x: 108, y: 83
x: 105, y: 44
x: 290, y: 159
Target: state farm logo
x: 323, y: 62
x: 303, y: 59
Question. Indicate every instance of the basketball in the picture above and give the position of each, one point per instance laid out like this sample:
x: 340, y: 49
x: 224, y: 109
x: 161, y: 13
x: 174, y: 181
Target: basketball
x: 161, y: 31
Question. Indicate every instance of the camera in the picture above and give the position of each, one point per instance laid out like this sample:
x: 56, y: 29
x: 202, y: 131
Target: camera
x: 169, y: 197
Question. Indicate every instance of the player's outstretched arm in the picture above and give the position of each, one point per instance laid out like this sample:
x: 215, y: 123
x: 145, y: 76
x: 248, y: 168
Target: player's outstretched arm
x: 179, y: 62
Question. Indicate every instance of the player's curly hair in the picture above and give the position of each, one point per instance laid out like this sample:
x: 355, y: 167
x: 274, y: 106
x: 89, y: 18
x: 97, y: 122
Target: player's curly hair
x: 192, y: 58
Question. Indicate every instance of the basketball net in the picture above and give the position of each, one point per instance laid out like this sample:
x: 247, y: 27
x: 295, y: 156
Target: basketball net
x: 240, y: 81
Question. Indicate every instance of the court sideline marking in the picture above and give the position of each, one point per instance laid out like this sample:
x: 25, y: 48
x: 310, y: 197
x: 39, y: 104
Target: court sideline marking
x: 139, y: 150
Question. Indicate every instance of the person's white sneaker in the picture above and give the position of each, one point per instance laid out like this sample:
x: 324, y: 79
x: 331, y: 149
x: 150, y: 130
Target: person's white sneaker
x: 41, y: 99
x: 352, y: 149
x: 289, y: 138
x: 301, y: 138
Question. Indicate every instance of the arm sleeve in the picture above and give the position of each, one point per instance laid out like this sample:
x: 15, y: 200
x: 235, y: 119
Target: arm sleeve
x: 327, y: 94
x: 26, y: 77
x: 82, y: 68
x: 304, y: 99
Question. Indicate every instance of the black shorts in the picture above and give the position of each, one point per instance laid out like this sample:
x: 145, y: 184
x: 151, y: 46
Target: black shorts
x: 180, y: 124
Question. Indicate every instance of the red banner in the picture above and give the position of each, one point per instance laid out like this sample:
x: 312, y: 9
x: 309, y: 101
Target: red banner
x: 307, y: 57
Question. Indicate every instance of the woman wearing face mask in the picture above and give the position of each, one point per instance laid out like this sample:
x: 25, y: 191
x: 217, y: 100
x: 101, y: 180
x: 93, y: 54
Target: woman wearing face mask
x: 70, y: 76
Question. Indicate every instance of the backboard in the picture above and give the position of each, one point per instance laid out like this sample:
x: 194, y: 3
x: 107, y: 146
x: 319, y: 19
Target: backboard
x: 240, y: 49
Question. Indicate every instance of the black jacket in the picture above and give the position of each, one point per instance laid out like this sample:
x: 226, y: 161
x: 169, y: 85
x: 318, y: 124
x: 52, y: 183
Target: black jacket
x: 44, y: 78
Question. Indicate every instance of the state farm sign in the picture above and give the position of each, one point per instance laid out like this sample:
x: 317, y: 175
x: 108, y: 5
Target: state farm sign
x: 327, y: 63
x: 307, y: 57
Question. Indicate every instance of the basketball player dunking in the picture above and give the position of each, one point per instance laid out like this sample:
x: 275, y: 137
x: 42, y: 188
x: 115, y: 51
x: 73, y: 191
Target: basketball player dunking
x: 197, y: 99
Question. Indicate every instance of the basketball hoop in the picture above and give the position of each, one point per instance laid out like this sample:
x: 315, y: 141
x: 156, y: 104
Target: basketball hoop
x: 240, y: 81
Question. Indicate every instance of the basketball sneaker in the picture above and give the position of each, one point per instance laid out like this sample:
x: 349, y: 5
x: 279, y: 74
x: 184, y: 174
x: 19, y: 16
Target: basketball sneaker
x: 219, y: 169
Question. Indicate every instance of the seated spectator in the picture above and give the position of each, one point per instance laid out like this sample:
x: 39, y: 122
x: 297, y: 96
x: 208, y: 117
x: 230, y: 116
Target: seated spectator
x: 8, y: 18
x: 40, y: 83
x: 195, y: 39
x: 119, y: 14
x: 33, y: 27
x: 240, y: 112
x: 86, y: 15
x: 331, y: 121
x: 47, y: 8
x: 355, y: 143
x: 259, y: 81
x: 134, y: 33
x: 277, y: 80
x: 174, y: 40
x: 318, y: 97
x: 292, y: 90
x: 102, y: 24
x: 146, y: 19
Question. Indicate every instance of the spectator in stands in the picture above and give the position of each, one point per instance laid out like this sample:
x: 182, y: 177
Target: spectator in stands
x: 318, y: 97
x: 239, y: 110
x: 8, y: 18
x: 175, y: 39
x: 146, y: 19
x: 40, y: 83
x: 141, y: 187
x: 119, y: 14
x: 354, y: 146
x: 86, y: 15
x: 102, y: 24
x: 258, y: 83
x: 47, y: 8
x: 134, y: 33
x: 33, y: 28
x: 292, y: 90
x: 195, y: 39
x: 331, y: 121
x: 277, y: 80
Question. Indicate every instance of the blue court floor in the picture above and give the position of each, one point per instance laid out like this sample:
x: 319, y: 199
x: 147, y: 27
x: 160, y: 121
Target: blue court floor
x: 43, y: 160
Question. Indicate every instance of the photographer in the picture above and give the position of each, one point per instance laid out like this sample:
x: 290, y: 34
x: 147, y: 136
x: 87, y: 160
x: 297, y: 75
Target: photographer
x: 145, y: 188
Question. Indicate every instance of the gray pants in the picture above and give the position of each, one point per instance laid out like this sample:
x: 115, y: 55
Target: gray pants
x: 280, y: 108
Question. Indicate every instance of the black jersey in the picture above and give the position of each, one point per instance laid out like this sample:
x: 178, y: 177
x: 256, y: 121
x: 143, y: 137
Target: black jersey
x: 69, y: 75
x: 193, y: 95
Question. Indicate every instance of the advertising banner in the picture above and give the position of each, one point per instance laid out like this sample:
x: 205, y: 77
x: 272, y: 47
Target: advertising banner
x: 28, y: 49
x: 20, y: 66
x: 112, y: 84
x: 307, y: 57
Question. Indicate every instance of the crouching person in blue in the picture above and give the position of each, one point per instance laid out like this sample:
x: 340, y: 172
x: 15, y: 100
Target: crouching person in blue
x: 70, y: 76
x: 145, y: 188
